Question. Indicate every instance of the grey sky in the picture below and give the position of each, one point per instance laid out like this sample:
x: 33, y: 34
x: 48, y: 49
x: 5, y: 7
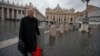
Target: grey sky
x: 41, y: 5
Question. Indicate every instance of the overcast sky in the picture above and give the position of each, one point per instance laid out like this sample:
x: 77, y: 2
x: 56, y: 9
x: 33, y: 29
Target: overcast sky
x: 41, y: 5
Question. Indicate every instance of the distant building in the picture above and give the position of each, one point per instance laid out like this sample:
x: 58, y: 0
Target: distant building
x: 13, y: 11
x: 93, y: 15
x: 10, y: 11
x: 61, y: 15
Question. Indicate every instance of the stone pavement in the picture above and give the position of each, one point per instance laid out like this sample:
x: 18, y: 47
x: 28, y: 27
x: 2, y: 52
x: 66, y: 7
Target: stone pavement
x: 72, y: 43
x: 75, y: 44
x: 8, y: 29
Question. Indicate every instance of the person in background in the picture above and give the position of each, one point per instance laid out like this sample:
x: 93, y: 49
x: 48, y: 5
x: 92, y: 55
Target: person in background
x: 53, y: 34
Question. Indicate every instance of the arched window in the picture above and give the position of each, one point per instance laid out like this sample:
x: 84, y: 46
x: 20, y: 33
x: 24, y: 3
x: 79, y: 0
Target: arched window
x: 59, y: 19
x: 47, y: 17
x: 53, y: 19
x: 71, y: 19
x: 65, y: 19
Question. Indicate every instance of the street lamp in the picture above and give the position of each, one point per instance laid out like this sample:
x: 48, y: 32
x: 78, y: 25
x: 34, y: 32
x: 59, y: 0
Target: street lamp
x: 86, y: 19
x: 85, y: 26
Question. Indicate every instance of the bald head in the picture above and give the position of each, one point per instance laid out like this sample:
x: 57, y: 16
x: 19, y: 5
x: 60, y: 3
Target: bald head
x: 30, y: 12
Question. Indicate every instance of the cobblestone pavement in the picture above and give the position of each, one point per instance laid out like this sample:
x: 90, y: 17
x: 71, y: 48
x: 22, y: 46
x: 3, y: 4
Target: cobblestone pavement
x: 71, y: 43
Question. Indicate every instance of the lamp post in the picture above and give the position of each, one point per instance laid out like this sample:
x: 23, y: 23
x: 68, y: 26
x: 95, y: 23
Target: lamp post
x: 86, y: 19
x: 85, y: 24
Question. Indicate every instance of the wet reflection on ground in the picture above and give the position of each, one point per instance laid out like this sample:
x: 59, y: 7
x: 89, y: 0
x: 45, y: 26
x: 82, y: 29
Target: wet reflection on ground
x: 8, y: 29
x: 85, y: 44
x: 52, y: 40
x: 71, y: 43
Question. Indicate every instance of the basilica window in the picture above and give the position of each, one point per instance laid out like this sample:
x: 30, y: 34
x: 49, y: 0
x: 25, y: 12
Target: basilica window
x: 47, y: 17
x: 64, y: 19
x: 71, y: 19
x: 59, y: 19
x: 54, y: 18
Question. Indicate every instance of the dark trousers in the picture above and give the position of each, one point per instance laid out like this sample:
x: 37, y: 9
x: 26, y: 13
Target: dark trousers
x: 26, y: 54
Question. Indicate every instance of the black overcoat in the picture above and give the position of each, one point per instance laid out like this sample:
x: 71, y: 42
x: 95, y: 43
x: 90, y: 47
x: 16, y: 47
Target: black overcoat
x: 28, y: 32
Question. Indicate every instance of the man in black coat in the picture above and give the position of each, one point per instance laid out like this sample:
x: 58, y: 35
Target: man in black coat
x: 28, y: 32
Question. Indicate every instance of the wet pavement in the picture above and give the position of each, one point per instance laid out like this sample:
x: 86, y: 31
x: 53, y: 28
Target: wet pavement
x: 72, y: 43
x: 8, y: 29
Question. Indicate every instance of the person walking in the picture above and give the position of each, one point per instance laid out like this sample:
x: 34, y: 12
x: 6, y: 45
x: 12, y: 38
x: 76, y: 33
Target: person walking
x: 53, y: 34
x: 28, y: 32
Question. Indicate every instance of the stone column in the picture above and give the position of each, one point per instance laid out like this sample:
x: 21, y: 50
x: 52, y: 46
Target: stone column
x: 7, y: 13
x: 16, y: 14
x: 69, y: 18
x: 21, y: 12
x: 48, y: 17
x: 12, y: 14
x: 2, y: 12
x: 62, y: 19
x: 51, y: 17
x: 56, y: 18
x: 73, y: 20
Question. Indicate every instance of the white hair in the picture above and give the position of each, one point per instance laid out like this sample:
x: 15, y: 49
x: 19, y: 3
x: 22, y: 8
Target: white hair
x: 29, y: 9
